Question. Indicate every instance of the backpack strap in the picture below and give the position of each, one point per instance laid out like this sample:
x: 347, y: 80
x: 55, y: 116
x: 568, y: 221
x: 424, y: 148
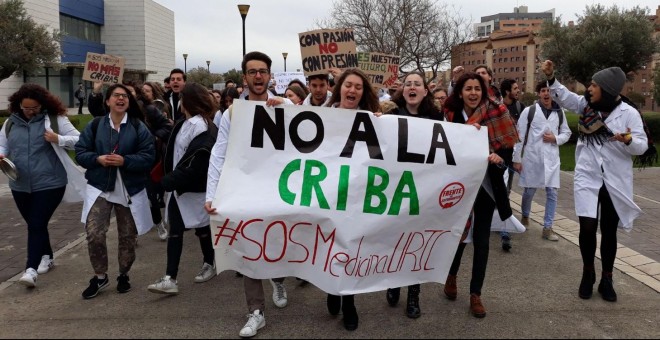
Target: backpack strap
x: 8, y: 126
x: 530, y: 117
x: 54, y: 125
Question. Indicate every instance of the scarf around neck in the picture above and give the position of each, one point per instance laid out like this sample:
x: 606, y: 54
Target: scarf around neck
x: 502, y: 131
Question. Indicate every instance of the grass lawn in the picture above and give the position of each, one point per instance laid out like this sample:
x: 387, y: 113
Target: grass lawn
x: 567, y: 156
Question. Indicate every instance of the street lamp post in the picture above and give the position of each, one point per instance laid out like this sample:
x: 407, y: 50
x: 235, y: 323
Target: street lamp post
x: 208, y: 66
x: 185, y: 63
x: 284, y: 54
x: 243, y: 9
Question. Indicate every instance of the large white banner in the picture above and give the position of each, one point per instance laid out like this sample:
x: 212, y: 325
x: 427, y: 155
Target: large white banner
x: 348, y: 201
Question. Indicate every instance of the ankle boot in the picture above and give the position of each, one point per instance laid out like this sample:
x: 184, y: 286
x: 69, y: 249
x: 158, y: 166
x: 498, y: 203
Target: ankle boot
x: 606, y: 287
x: 412, y: 307
x: 587, y: 283
x: 476, y: 307
x: 334, y: 304
x: 393, y: 296
x: 350, y: 313
x: 451, y: 291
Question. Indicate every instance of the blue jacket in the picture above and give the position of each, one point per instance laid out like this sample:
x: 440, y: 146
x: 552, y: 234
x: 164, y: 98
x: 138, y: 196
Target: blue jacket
x: 36, y: 162
x: 135, y: 145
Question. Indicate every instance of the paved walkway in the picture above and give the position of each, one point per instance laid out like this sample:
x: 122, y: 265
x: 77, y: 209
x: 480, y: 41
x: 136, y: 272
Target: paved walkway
x: 530, y: 292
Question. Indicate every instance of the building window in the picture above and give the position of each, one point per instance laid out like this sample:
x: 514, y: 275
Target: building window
x: 524, y: 47
x: 643, y: 80
x: 80, y: 29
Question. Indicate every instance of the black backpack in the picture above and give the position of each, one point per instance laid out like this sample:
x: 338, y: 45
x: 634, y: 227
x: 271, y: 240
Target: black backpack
x: 530, y: 117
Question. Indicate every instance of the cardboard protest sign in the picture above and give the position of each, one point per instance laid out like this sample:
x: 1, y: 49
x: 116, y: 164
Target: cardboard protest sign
x: 282, y: 80
x: 324, y: 49
x: 106, y: 68
x: 382, y: 69
x: 348, y: 201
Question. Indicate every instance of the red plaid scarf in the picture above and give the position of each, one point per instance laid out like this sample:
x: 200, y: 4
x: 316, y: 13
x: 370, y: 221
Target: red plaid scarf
x: 502, y: 131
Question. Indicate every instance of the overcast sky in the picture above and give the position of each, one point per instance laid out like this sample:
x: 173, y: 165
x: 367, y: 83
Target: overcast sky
x: 211, y: 29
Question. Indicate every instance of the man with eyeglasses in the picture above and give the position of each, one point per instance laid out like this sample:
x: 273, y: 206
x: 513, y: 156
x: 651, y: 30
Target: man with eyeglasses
x: 256, y: 74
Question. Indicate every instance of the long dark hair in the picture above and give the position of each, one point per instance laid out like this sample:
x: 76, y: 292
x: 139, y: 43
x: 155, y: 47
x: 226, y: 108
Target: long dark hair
x: 197, y: 101
x: 47, y: 100
x: 134, y: 108
x: 427, y: 107
x: 455, y: 101
x: 369, y: 100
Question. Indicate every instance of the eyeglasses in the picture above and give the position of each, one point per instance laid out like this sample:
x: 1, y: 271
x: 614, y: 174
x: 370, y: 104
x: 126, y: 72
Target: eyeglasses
x: 262, y: 71
x: 120, y: 95
x: 31, y: 109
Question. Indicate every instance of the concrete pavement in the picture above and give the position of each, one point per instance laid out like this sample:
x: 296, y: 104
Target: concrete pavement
x: 528, y: 293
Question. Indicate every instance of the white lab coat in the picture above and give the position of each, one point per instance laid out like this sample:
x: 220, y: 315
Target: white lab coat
x: 75, y: 188
x: 610, y: 163
x: 540, y: 163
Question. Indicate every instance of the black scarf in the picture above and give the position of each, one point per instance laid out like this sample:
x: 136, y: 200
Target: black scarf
x: 592, y: 126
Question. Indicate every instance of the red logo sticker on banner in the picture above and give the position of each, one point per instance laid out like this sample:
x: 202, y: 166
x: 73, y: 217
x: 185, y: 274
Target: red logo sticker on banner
x: 451, y: 195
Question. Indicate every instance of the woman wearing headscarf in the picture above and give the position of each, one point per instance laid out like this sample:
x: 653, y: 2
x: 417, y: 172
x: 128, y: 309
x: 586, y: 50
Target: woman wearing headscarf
x: 611, y: 132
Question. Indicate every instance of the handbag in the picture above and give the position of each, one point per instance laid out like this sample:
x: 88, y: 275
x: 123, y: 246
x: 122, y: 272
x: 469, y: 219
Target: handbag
x: 157, y: 172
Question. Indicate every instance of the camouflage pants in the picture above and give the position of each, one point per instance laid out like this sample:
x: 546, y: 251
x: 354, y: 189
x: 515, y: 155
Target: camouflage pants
x: 98, y: 222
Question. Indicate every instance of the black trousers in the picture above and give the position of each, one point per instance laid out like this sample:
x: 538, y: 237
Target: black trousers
x: 175, y: 240
x: 37, y: 208
x: 609, y: 221
x: 484, y: 206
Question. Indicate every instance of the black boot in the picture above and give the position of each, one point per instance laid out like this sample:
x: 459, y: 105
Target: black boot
x: 393, y: 296
x: 412, y: 308
x: 350, y: 313
x: 587, y: 283
x: 606, y: 287
x: 334, y: 304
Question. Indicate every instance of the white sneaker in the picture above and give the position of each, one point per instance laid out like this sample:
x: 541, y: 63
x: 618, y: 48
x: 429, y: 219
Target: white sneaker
x: 162, y: 231
x: 166, y: 285
x: 279, y: 294
x: 206, y: 273
x: 46, y: 264
x: 256, y: 321
x: 29, y: 279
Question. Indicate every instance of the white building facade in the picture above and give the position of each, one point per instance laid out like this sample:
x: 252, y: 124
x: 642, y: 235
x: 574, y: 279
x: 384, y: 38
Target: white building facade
x: 142, y: 31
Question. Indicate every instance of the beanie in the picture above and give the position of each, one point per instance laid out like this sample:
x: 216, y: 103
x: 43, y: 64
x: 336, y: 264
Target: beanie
x: 610, y: 80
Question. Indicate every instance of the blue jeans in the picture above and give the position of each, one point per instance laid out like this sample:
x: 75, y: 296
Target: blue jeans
x: 550, y: 204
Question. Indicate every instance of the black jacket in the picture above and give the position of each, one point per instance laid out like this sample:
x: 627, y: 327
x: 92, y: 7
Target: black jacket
x: 190, y: 174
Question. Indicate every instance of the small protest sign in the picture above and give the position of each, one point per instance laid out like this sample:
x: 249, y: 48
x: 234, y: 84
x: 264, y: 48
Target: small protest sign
x: 282, y: 80
x: 325, y: 49
x: 382, y: 69
x: 106, y: 68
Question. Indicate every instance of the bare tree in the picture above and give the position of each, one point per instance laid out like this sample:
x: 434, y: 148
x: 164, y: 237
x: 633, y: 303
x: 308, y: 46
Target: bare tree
x: 421, y: 32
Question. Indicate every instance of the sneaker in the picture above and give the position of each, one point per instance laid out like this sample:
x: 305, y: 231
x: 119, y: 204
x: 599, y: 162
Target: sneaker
x: 29, y: 279
x: 162, y: 231
x: 206, y: 273
x: 506, y: 243
x: 549, y: 234
x: 525, y: 221
x: 166, y: 285
x: 279, y: 294
x: 476, y: 307
x: 95, y: 286
x: 46, y: 264
x: 123, y: 286
x: 256, y: 321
